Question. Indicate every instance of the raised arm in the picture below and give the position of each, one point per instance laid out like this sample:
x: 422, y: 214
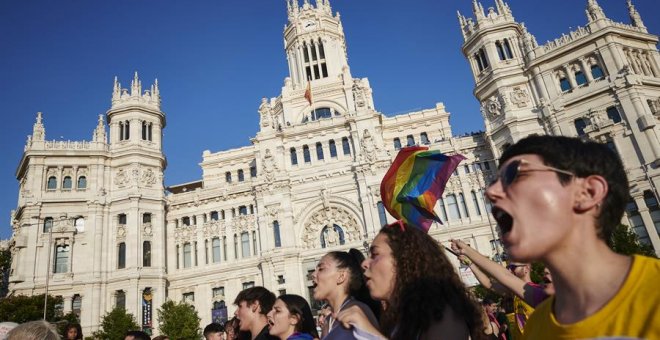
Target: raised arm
x: 483, y: 268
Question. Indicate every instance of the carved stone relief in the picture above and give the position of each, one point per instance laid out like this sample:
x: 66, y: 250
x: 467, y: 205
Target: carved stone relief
x: 519, y: 97
x: 311, y: 237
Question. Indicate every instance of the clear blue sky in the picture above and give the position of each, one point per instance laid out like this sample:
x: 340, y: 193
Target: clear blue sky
x: 215, y: 60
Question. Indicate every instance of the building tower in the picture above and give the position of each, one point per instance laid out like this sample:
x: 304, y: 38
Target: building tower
x: 136, y: 205
x: 494, y: 44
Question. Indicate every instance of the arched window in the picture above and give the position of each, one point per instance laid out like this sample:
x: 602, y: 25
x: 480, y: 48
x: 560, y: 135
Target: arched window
x: 228, y: 176
x: 597, y: 72
x: 241, y: 176
x: 580, y: 78
x: 76, y: 305
x: 79, y: 223
x: 146, y: 254
x: 319, y: 151
x: 443, y: 210
x: 276, y: 234
x: 346, y: 146
x: 564, y: 84
x: 500, y: 50
x: 452, y: 204
x: 242, y: 210
x: 332, y: 236
x: 121, y: 130
x: 215, y: 245
x: 61, y: 264
x: 214, y: 215
x: 410, y: 140
x: 508, y: 53
x: 67, y: 183
x: 475, y: 201
x: 580, y: 125
x: 82, y: 182
x: 397, y: 144
x: 254, y: 243
x: 52, y: 183
x: 463, y: 206
x: 306, y: 156
x: 121, y: 255
x: 425, y: 138
x: 127, y: 130
x: 613, y: 114
x: 48, y: 224
x: 294, y: 156
x: 321, y: 113
x: 333, y: 148
x: 144, y: 130
x: 185, y: 221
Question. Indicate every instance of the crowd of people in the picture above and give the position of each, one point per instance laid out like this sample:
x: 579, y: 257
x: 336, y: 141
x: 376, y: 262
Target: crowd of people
x: 556, y: 201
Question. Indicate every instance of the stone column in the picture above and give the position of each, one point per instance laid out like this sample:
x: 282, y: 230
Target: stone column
x: 570, y: 75
x: 587, y: 70
x: 648, y: 222
x: 615, y: 53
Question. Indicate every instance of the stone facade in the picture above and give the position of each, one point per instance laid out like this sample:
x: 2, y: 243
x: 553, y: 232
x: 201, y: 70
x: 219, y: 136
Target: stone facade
x: 95, y: 217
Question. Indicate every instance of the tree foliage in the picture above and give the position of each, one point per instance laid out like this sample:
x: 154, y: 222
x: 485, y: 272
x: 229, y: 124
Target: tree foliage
x: 178, y: 321
x: 115, y: 325
x: 625, y: 241
x: 5, y: 266
x: 22, y: 308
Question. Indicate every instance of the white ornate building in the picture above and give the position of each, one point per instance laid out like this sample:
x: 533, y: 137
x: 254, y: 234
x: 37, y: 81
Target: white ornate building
x: 94, y: 225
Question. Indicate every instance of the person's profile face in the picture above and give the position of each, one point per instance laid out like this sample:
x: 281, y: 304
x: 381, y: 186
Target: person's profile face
x: 380, y: 269
x: 325, y: 278
x: 534, y: 211
x: 245, y: 313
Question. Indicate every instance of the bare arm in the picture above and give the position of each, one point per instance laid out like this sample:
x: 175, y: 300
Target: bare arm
x: 354, y: 316
x: 483, y: 268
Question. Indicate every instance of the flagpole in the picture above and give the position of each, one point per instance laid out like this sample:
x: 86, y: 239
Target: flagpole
x: 311, y: 95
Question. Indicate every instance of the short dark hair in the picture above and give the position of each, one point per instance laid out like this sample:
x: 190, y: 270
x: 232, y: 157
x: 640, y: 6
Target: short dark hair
x: 265, y: 297
x: 138, y: 335
x: 583, y: 158
x: 213, y: 327
x: 487, y: 301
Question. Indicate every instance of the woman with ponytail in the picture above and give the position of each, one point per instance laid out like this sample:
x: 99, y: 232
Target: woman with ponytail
x: 338, y: 279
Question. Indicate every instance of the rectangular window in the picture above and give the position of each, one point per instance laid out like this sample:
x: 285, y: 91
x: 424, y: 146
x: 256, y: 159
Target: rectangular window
x: 281, y: 292
x: 253, y: 171
x: 224, y: 247
x: 228, y: 177
x: 242, y: 210
x: 425, y: 138
x: 121, y: 219
x: 189, y: 298
x: 121, y: 255
x: 382, y: 215
x: 248, y: 284
x: 254, y: 243
x: 48, y: 224
x: 276, y: 234
x: 475, y: 201
x: 216, y: 250
x: 241, y: 176
x: 452, y: 204
x: 120, y: 299
x: 613, y: 114
x: 76, y: 305
x: 62, y: 259
x: 410, y: 140
x: 146, y: 218
x: 146, y: 254
x: 245, y: 245
x: 187, y: 255
x: 580, y: 78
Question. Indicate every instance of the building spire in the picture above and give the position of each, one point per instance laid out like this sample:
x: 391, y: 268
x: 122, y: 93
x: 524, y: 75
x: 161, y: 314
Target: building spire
x: 503, y: 8
x: 99, y: 131
x: 594, y: 11
x: 38, y: 130
x: 634, y: 15
x: 478, y: 10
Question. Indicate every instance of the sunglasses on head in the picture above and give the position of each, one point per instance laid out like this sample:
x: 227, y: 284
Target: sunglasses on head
x: 509, y: 173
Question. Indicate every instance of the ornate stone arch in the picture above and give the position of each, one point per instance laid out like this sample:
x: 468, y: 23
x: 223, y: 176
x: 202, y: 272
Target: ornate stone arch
x: 332, y: 104
x: 326, y: 217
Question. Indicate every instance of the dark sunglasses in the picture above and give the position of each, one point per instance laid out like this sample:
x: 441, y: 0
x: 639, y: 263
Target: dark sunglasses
x: 514, y: 266
x: 508, y: 174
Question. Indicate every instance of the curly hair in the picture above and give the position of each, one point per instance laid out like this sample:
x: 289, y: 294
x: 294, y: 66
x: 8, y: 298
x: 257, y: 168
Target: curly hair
x: 425, y: 285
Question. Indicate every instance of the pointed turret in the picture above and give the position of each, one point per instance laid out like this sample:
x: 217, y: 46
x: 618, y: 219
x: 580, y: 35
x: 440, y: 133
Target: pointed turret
x: 635, y: 18
x: 38, y: 130
x: 478, y: 10
x: 136, y: 85
x: 99, y: 132
x: 594, y: 11
x: 503, y: 9
x: 122, y: 97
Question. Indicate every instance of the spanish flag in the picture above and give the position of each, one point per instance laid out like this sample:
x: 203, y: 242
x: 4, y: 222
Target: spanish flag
x: 308, y: 92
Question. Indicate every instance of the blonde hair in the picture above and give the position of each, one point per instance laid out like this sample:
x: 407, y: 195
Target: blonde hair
x: 34, y: 330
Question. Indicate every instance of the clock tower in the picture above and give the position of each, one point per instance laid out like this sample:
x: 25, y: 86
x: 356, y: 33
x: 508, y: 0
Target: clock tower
x: 314, y: 42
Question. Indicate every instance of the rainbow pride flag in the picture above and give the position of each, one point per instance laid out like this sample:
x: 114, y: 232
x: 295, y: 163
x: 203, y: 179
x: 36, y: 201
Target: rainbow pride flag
x: 414, y: 183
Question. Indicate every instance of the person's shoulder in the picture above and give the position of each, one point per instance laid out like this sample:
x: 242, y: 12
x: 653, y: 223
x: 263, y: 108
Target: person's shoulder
x: 365, y: 308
